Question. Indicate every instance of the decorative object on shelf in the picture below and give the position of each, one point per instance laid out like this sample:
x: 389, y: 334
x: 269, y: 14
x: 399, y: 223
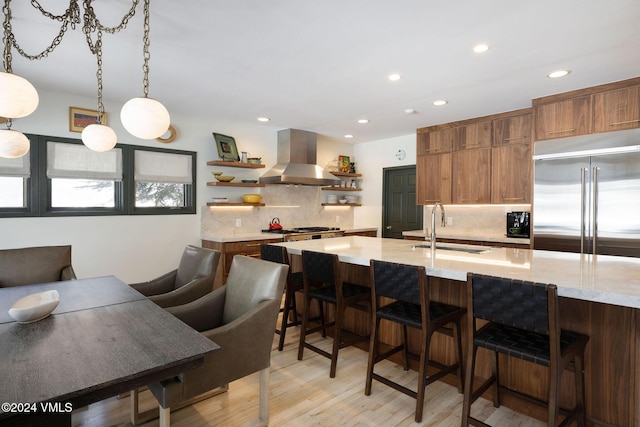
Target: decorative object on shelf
x: 352, y: 167
x: 225, y: 178
x: 251, y: 198
x: 342, y: 201
x: 354, y: 184
x: 333, y: 166
x: 142, y: 117
x: 216, y: 174
x: 244, y: 157
x: 227, y: 149
x: 80, y: 118
x: 249, y: 181
x: 170, y: 138
x: 254, y: 160
x: 332, y: 198
x: 220, y: 199
x: 344, y: 163
x: 34, y: 307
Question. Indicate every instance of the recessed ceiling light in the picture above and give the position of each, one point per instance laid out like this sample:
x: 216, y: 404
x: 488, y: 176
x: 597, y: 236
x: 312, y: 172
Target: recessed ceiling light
x: 481, y: 48
x: 558, y: 73
x: 263, y: 119
x: 439, y: 102
x: 363, y: 121
x: 348, y: 135
x: 394, y: 77
x: 410, y: 111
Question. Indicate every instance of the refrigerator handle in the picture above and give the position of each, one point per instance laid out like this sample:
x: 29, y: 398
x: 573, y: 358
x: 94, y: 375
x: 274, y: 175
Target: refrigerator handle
x: 594, y: 217
x: 583, y: 173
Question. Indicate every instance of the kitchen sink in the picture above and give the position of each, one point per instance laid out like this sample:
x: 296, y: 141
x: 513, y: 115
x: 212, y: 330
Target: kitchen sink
x: 446, y: 247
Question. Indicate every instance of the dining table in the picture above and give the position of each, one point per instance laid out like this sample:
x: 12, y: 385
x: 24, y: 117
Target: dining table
x: 103, y: 339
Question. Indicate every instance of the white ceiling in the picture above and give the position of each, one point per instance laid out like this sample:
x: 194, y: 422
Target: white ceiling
x: 322, y: 65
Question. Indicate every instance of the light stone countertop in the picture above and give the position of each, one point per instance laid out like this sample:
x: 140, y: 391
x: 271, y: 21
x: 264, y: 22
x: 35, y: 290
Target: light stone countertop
x: 598, y: 278
x: 246, y: 236
x: 498, y: 238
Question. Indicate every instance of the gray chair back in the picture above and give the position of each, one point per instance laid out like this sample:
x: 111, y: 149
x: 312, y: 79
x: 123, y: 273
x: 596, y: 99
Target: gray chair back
x: 196, y: 262
x: 245, y: 291
x: 43, y: 264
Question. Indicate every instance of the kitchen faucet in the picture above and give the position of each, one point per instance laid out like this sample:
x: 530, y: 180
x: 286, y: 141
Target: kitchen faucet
x: 433, y: 222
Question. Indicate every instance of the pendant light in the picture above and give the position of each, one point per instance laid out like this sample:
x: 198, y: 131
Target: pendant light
x: 144, y: 117
x: 18, y: 97
x: 98, y: 137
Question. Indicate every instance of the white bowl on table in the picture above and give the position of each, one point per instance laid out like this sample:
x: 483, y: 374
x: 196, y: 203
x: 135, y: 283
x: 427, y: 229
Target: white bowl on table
x: 34, y: 307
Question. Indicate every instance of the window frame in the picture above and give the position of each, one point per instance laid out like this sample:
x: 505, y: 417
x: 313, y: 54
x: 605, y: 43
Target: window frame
x: 39, y: 186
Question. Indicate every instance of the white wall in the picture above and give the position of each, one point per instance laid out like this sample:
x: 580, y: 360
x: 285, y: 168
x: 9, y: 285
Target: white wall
x: 138, y: 248
x: 371, y: 158
x: 134, y: 248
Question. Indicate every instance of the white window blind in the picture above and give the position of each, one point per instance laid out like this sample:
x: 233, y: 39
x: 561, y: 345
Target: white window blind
x: 77, y: 161
x: 152, y: 166
x: 20, y: 167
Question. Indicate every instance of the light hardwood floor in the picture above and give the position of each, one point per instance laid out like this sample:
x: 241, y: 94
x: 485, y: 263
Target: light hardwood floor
x: 302, y: 394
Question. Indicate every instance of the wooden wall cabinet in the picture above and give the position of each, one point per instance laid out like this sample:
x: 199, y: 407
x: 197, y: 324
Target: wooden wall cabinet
x: 616, y: 109
x: 434, y: 179
x: 437, y: 141
x: 512, y: 130
x: 471, y: 176
x: 473, y: 135
x: 511, y: 174
x: 562, y: 118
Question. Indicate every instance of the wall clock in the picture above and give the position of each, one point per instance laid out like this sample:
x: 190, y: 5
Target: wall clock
x: 401, y: 154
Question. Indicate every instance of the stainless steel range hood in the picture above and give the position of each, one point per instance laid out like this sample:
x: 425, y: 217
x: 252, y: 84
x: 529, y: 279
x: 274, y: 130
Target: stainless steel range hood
x: 297, y: 161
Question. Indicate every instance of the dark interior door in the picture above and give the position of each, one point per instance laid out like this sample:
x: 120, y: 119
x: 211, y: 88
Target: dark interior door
x: 399, y: 210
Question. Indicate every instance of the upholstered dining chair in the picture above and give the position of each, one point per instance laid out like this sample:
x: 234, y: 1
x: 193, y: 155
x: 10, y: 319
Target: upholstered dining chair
x: 520, y: 319
x: 191, y: 280
x: 41, y: 264
x: 400, y: 294
x: 290, y: 317
x: 240, y: 317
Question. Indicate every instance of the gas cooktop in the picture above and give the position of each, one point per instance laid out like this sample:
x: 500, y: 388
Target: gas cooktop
x: 302, y: 230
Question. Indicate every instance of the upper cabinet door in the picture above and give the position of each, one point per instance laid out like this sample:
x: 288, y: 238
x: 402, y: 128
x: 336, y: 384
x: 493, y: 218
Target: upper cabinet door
x: 512, y: 130
x: 569, y: 117
x: 437, y: 141
x: 511, y: 167
x: 433, y: 175
x: 474, y: 135
x: 471, y: 176
x: 617, y: 109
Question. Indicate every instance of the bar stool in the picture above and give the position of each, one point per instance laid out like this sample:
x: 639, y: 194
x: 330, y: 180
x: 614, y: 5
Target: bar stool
x: 279, y: 254
x: 522, y: 322
x: 323, y: 282
x: 407, y: 286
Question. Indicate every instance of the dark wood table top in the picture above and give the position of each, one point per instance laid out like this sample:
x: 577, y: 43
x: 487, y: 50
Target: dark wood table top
x: 100, y: 344
x: 74, y: 294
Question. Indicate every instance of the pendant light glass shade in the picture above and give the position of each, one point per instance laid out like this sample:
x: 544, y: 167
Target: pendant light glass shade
x: 99, y: 137
x: 145, y: 118
x: 13, y: 144
x: 18, y: 97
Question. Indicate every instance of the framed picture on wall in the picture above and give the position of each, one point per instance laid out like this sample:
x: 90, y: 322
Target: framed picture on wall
x: 80, y: 118
x: 227, y: 149
x: 343, y: 163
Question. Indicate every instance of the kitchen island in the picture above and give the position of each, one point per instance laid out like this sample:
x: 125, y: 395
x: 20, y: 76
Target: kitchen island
x: 599, y: 296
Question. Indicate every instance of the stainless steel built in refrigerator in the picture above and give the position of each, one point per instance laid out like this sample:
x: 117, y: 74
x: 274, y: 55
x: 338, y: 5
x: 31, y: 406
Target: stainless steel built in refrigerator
x: 587, y: 194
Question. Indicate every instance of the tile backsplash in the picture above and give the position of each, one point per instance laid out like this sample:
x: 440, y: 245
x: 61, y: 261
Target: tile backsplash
x: 489, y: 220
x: 294, y: 205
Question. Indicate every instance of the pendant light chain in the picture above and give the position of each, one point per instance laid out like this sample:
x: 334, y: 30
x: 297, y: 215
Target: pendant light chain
x: 6, y: 37
x: 146, y: 53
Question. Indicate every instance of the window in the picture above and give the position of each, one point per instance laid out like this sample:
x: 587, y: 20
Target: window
x: 81, y: 178
x: 60, y: 176
x: 14, y: 179
x: 162, y: 179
